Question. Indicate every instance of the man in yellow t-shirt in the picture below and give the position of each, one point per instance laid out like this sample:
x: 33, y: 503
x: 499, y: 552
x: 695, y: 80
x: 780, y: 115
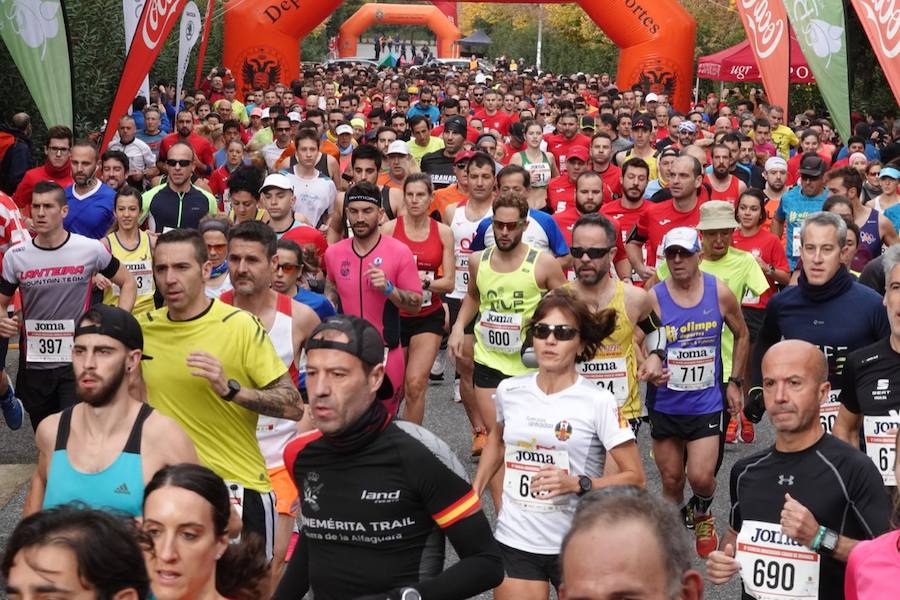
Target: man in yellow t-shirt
x: 783, y: 136
x: 214, y: 370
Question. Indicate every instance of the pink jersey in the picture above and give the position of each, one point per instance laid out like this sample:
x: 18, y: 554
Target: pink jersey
x: 347, y: 270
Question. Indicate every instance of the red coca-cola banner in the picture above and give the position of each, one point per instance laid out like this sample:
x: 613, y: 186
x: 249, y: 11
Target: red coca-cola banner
x: 881, y: 20
x: 766, y: 24
x: 201, y: 55
x: 157, y: 20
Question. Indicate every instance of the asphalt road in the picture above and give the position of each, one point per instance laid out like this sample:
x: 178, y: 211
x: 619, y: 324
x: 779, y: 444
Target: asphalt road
x: 443, y: 416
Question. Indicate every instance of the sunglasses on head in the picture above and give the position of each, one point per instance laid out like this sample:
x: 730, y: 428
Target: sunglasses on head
x: 592, y: 253
x: 562, y: 333
x: 180, y: 163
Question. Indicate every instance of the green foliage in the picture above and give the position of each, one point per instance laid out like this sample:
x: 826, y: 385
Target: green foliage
x: 98, y: 51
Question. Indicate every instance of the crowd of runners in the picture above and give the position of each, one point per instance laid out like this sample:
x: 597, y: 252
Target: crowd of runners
x: 229, y: 320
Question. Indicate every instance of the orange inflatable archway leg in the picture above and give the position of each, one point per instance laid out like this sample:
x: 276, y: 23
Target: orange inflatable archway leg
x: 397, y: 14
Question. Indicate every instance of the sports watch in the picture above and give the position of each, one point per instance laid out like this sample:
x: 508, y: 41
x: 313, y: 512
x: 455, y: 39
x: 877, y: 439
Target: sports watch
x: 585, y: 484
x: 233, y: 388
x: 829, y: 543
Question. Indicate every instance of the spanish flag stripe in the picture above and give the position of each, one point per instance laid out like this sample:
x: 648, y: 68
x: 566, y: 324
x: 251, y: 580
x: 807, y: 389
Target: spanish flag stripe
x: 458, y: 510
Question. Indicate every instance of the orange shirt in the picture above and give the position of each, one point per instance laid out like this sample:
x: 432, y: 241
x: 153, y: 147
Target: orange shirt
x: 384, y: 179
x: 444, y: 198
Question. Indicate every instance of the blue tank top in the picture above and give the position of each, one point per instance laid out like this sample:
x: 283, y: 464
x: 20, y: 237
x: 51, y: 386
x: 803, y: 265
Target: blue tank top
x: 120, y: 486
x: 693, y: 353
x: 869, y: 242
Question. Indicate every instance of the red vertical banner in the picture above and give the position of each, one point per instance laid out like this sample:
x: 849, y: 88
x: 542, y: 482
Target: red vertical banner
x: 157, y: 20
x: 881, y: 20
x: 201, y: 55
x: 766, y: 24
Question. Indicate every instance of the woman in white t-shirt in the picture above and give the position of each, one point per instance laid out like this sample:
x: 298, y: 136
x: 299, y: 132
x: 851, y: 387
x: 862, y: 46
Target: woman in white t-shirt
x: 553, y: 431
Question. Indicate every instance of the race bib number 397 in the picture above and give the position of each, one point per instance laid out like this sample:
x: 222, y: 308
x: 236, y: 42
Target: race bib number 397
x: 49, y: 341
x: 774, y: 566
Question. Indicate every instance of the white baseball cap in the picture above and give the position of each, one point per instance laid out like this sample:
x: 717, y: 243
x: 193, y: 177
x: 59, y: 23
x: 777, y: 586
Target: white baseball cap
x: 295, y: 116
x: 344, y: 129
x: 277, y: 180
x: 398, y: 147
x: 682, y: 237
x: 651, y: 97
x: 265, y: 113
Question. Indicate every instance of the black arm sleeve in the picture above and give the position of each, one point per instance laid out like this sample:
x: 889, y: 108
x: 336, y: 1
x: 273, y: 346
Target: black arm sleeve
x: 295, y: 580
x: 479, y: 568
x: 111, y: 268
x: 7, y: 288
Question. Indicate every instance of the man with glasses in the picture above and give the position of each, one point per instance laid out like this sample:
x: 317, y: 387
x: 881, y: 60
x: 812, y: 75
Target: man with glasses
x: 799, y: 202
x: 425, y: 106
x: 177, y: 203
x: 57, y: 168
x: 202, y: 150
x: 687, y: 411
x: 274, y: 151
x: 614, y: 367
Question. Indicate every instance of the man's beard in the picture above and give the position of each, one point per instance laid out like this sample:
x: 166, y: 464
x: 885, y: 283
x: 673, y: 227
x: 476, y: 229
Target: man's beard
x: 103, y: 395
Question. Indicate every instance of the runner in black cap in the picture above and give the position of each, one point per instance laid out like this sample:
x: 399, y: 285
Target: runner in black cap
x: 439, y: 164
x: 377, y: 493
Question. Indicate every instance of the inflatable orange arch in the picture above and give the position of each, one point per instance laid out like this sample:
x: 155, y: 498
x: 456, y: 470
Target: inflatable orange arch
x: 397, y: 14
x: 656, y: 39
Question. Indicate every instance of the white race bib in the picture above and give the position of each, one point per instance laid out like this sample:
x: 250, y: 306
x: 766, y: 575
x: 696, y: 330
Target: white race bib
x: 236, y: 495
x: 692, y: 368
x: 521, y: 465
x: 426, y: 294
x: 501, y: 332
x: 609, y: 373
x: 795, y: 242
x: 881, y: 434
x: 829, y: 411
x: 462, y: 272
x: 143, y: 276
x: 750, y: 298
x: 49, y: 341
x: 774, y: 566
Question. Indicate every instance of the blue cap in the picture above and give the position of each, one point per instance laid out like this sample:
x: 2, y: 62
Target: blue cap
x: 889, y: 172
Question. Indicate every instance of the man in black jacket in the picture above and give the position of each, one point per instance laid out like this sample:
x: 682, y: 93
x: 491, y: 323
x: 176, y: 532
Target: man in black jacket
x: 17, y: 157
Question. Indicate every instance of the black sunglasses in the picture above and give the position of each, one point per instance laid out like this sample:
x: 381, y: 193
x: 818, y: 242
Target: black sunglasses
x: 676, y: 251
x: 181, y: 163
x: 562, y: 333
x: 592, y: 253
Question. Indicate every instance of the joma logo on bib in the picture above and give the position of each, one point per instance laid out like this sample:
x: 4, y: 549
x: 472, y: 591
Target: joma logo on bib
x: 883, y: 427
x: 538, y: 457
x: 773, y: 537
x: 39, y: 326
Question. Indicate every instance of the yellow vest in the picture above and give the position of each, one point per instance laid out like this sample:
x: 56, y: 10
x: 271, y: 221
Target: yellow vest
x: 138, y: 262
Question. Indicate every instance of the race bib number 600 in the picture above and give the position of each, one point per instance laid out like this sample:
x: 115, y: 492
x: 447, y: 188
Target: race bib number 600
x: 774, y: 566
x: 828, y: 412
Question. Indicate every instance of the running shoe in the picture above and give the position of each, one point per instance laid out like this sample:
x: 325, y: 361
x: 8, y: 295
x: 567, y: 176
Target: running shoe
x: 437, y: 369
x: 13, y: 413
x: 731, y: 432
x: 687, y: 513
x: 456, y: 395
x: 479, y: 440
x: 748, y: 434
x: 705, y: 535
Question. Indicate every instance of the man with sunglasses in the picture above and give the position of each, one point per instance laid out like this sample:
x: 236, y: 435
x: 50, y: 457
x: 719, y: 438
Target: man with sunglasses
x: 687, y: 411
x: 274, y: 151
x: 177, y: 203
x: 252, y: 260
x: 506, y: 282
x: 614, y: 368
x: 799, y: 202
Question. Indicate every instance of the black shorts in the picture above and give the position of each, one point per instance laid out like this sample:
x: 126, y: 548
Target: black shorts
x: 4, y: 350
x: 754, y: 319
x: 487, y: 377
x: 258, y: 517
x: 454, y: 304
x: 45, y: 391
x: 520, y: 564
x: 686, y: 427
x: 433, y: 322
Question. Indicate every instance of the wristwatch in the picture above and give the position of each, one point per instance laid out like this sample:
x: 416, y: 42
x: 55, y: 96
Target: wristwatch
x: 233, y: 388
x: 738, y: 381
x: 660, y: 353
x: 410, y: 594
x: 585, y: 484
x: 771, y: 270
x: 829, y: 543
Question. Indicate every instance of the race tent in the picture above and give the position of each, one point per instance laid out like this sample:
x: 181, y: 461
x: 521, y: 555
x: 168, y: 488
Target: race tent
x: 738, y: 64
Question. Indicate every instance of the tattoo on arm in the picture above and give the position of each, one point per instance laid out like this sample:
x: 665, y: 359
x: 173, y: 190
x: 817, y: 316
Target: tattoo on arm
x: 279, y: 399
x: 409, y: 299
